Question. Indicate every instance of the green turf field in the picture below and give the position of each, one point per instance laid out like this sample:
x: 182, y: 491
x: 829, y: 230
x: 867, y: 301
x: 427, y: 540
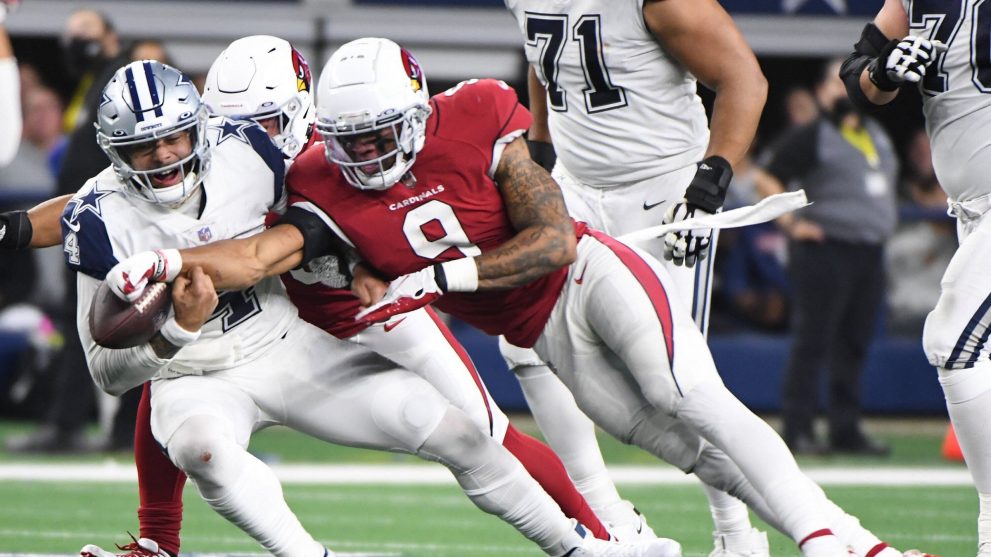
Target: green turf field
x: 432, y: 520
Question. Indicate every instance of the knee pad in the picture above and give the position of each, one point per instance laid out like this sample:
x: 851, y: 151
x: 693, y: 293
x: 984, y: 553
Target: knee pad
x: 456, y: 442
x: 408, y: 410
x: 200, y: 447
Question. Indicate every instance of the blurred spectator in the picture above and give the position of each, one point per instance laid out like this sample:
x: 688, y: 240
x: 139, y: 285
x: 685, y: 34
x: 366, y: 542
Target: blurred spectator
x: 93, y: 53
x: 33, y: 170
x: 149, y: 49
x: 752, y: 284
x: 848, y: 167
x: 921, y: 248
x: 800, y: 106
x: 90, y: 45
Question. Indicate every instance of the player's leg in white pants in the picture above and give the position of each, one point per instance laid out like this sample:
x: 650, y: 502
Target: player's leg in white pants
x: 652, y: 340
x: 955, y: 339
x: 344, y: 393
x: 617, y: 211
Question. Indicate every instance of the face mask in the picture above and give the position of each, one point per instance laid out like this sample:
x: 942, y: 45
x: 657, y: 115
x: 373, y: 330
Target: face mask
x: 82, y: 55
x: 841, y: 109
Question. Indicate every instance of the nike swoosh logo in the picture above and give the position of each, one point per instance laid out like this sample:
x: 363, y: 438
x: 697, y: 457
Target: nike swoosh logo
x: 580, y: 278
x: 72, y: 227
x: 390, y: 326
x: 647, y: 207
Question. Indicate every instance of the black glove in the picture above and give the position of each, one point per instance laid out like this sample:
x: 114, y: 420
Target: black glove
x: 704, y: 196
x: 15, y: 230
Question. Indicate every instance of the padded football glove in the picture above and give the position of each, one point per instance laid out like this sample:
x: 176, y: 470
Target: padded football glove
x: 129, y: 278
x: 704, y: 196
x: 902, y: 61
x: 15, y: 230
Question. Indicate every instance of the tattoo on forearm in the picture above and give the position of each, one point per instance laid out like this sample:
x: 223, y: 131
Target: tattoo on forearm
x: 536, y: 208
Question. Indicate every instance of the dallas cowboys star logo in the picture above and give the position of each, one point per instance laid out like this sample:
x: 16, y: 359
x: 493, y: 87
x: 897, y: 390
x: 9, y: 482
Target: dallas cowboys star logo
x: 90, y: 202
x: 233, y: 129
x: 792, y: 6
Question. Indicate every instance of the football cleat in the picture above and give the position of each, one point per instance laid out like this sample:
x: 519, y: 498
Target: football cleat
x: 633, y: 528
x: 752, y: 543
x: 594, y: 547
x: 139, y: 547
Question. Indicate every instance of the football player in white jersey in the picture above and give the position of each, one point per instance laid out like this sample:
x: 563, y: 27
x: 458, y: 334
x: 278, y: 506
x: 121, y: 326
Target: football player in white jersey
x: 263, y: 78
x: 614, y: 85
x: 943, y: 49
x: 224, y: 366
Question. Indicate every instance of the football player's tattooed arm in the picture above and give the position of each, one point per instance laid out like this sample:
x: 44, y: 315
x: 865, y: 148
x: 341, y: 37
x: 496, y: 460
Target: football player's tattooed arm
x: 892, y: 21
x: 238, y: 264
x: 726, y: 65
x: 545, y: 238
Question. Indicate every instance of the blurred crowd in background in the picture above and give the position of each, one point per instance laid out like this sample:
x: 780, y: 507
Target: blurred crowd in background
x: 753, y: 292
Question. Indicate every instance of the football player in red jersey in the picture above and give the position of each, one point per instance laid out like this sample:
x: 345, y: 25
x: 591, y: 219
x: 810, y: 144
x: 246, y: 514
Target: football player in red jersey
x: 281, y: 103
x: 442, y: 197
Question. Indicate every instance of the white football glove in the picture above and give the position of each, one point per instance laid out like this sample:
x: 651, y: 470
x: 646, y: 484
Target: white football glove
x: 405, y: 294
x: 704, y: 196
x: 904, y: 61
x: 129, y: 278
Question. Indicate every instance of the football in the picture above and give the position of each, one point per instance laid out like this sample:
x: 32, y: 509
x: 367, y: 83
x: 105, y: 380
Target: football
x: 115, y: 323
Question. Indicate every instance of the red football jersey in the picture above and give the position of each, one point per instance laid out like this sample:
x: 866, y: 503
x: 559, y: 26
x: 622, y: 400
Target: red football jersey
x: 454, y: 210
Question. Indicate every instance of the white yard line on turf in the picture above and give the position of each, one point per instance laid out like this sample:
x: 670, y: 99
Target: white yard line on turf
x: 340, y: 474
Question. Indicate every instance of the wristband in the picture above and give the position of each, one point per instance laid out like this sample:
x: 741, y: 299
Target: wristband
x: 174, y: 333
x: 460, y: 275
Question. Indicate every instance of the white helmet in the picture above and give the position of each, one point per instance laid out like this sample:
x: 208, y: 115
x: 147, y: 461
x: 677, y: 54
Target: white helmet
x: 261, y: 77
x: 144, y: 102
x: 368, y: 86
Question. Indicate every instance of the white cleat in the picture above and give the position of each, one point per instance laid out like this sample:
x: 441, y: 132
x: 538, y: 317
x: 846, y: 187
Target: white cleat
x: 141, y: 547
x: 752, y: 543
x: 632, y: 527
x: 594, y: 547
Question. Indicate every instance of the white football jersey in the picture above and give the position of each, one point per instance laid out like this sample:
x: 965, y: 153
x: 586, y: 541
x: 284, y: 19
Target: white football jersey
x: 107, y: 221
x: 620, y: 109
x: 957, y: 92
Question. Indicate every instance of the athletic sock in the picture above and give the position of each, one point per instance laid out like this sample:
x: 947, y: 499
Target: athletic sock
x: 160, y: 483
x: 545, y: 467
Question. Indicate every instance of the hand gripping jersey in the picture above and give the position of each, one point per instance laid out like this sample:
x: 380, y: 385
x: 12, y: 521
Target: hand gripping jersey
x: 956, y: 92
x: 620, y: 109
x: 454, y: 210
x: 105, y: 223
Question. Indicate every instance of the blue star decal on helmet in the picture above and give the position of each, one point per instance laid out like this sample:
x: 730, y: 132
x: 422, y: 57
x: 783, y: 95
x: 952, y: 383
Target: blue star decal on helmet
x: 232, y: 128
x: 89, y: 202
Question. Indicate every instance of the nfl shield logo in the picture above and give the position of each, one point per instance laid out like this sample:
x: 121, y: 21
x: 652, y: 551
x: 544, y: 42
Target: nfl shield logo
x: 205, y: 234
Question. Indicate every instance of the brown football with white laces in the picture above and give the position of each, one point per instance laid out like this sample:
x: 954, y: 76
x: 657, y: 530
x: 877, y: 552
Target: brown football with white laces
x: 116, y: 323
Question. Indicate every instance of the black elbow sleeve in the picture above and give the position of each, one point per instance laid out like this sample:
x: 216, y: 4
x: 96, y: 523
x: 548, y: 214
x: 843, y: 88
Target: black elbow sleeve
x: 15, y: 230
x: 318, y: 240
x: 872, y: 42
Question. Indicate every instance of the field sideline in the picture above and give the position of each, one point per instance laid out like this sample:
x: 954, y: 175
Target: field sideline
x: 364, y: 503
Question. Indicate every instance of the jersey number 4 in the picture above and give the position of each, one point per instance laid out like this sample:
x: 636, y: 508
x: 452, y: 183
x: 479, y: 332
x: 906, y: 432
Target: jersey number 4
x: 549, y: 33
x: 943, y: 20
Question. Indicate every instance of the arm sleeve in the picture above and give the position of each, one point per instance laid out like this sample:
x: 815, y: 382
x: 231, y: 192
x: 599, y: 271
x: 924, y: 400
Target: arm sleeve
x: 10, y: 110
x: 792, y: 154
x: 318, y: 239
x: 115, y: 371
